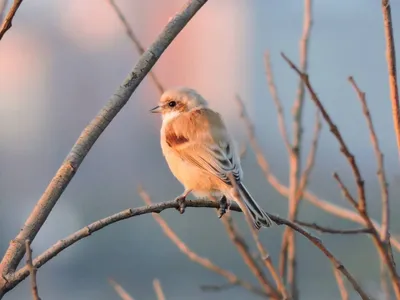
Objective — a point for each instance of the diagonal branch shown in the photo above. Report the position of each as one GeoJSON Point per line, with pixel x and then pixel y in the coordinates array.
{"type": "Point", "coordinates": [383, 250]}
{"type": "Point", "coordinates": [249, 260]}
{"type": "Point", "coordinates": [313, 199]}
{"type": "Point", "coordinates": [124, 295]}
{"type": "Point", "coordinates": [7, 22]}
{"type": "Point", "coordinates": [158, 289]}
{"type": "Point", "coordinates": [277, 101]}
{"type": "Point", "coordinates": [391, 64]}
{"type": "Point", "coordinates": [89, 136]}
{"type": "Point", "coordinates": [379, 159]}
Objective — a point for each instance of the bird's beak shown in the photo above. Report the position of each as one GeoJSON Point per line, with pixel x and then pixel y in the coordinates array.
{"type": "Point", "coordinates": [156, 109]}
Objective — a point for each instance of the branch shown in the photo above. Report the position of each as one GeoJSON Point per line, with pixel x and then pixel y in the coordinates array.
{"type": "Point", "coordinates": [135, 41]}
{"type": "Point", "coordinates": [322, 204]}
{"type": "Point", "coordinates": [157, 208]}
{"type": "Point", "coordinates": [32, 270]}
{"type": "Point", "coordinates": [391, 64]}
{"type": "Point", "coordinates": [266, 259]}
{"type": "Point", "coordinates": [277, 101]}
{"type": "Point", "coordinates": [158, 289]}
{"type": "Point", "coordinates": [324, 229]}
{"type": "Point", "coordinates": [341, 286]}
{"type": "Point", "coordinates": [89, 136]}
{"type": "Point", "coordinates": [379, 159]}
{"type": "Point", "coordinates": [7, 23]}
{"type": "Point", "coordinates": [248, 259]}
{"type": "Point", "coordinates": [384, 251]}
{"type": "Point", "coordinates": [124, 295]}
{"type": "Point", "coordinates": [206, 263]}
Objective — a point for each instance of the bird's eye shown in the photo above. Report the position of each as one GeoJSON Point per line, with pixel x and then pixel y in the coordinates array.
{"type": "Point", "coordinates": [172, 104]}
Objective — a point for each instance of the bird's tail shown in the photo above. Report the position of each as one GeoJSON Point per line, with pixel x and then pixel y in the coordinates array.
{"type": "Point", "coordinates": [259, 216]}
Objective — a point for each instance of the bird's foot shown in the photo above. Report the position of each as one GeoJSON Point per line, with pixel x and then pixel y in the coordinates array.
{"type": "Point", "coordinates": [182, 203]}
{"type": "Point", "coordinates": [224, 205]}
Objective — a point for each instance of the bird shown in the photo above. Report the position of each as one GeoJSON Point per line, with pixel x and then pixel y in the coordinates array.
{"type": "Point", "coordinates": [202, 154]}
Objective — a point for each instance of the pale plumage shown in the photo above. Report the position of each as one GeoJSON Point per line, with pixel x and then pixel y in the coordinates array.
{"type": "Point", "coordinates": [200, 151]}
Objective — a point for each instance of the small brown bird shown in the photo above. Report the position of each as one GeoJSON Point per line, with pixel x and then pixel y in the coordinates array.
{"type": "Point", "coordinates": [201, 153]}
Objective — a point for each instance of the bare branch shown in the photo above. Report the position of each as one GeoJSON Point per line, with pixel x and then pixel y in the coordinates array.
{"type": "Point", "coordinates": [206, 263]}
{"type": "Point", "coordinates": [263, 252]}
{"type": "Point", "coordinates": [324, 229]}
{"type": "Point", "coordinates": [288, 251]}
{"type": "Point", "coordinates": [7, 22]}
{"type": "Point", "coordinates": [278, 104]}
{"type": "Point", "coordinates": [32, 271]}
{"type": "Point", "coordinates": [322, 204]}
{"type": "Point", "coordinates": [341, 286]}
{"type": "Point", "coordinates": [311, 156]}
{"type": "Point", "coordinates": [124, 295]}
{"type": "Point", "coordinates": [379, 159]}
{"type": "Point", "coordinates": [249, 260]}
{"type": "Point", "coordinates": [158, 289]}
{"type": "Point", "coordinates": [384, 251]}
{"type": "Point", "coordinates": [89, 136]}
{"type": "Point", "coordinates": [343, 146]}
{"type": "Point", "coordinates": [391, 63]}
{"type": "Point", "coordinates": [135, 41]}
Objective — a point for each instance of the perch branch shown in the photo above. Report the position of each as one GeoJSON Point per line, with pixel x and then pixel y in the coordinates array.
{"type": "Point", "coordinates": [324, 229]}
{"type": "Point", "coordinates": [391, 64]}
{"type": "Point", "coordinates": [89, 136]}
{"type": "Point", "coordinates": [7, 22]}
{"type": "Point", "coordinates": [157, 208]}
{"type": "Point", "coordinates": [341, 286]}
{"type": "Point", "coordinates": [206, 263]}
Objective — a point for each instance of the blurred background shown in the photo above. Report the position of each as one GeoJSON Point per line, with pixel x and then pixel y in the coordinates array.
{"type": "Point", "coordinates": [62, 60]}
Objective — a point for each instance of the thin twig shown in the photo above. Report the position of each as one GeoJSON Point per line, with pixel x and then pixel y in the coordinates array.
{"type": "Point", "coordinates": [7, 22]}
{"type": "Point", "coordinates": [158, 289]}
{"type": "Point", "coordinates": [324, 229]}
{"type": "Point", "coordinates": [124, 295]}
{"type": "Point", "coordinates": [32, 271]}
{"type": "Point", "coordinates": [249, 260]}
{"type": "Point", "coordinates": [391, 64]}
{"type": "Point", "coordinates": [384, 251]}
{"type": "Point", "coordinates": [263, 252]}
{"type": "Point", "coordinates": [135, 41]}
{"type": "Point", "coordinates": [288, 250]}
{"type": "Point", "coordinates": [89, 136]}
{"type": "Point", "coordinates": [277, 101]}
{"type": "Point", "coordinates": [322, 204]}
{"type": "Point", "coordinates": [205, 262]}
{"type": "Point", "coordinates": [342, 288]}
{"type": "Point", "coordinates": [380, 165]}
{"type": "Point", "coordinates": [311, 156]}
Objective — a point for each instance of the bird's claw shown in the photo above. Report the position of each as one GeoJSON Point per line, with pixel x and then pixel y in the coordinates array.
{"type": "Point", "coordinates": [182, 204]}
{"type": "Point", "coordinates": [223, 206]}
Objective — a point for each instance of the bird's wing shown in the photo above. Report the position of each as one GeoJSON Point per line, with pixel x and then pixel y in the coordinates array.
{"type": "Point", "coordinates": [201, 138]}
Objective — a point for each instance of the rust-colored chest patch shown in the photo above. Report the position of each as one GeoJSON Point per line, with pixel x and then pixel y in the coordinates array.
{"type": "Point", "coordinates": [173, 139]}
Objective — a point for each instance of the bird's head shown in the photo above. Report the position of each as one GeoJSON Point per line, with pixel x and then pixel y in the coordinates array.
{"type": "Point", "coordinates": [179, 100]}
